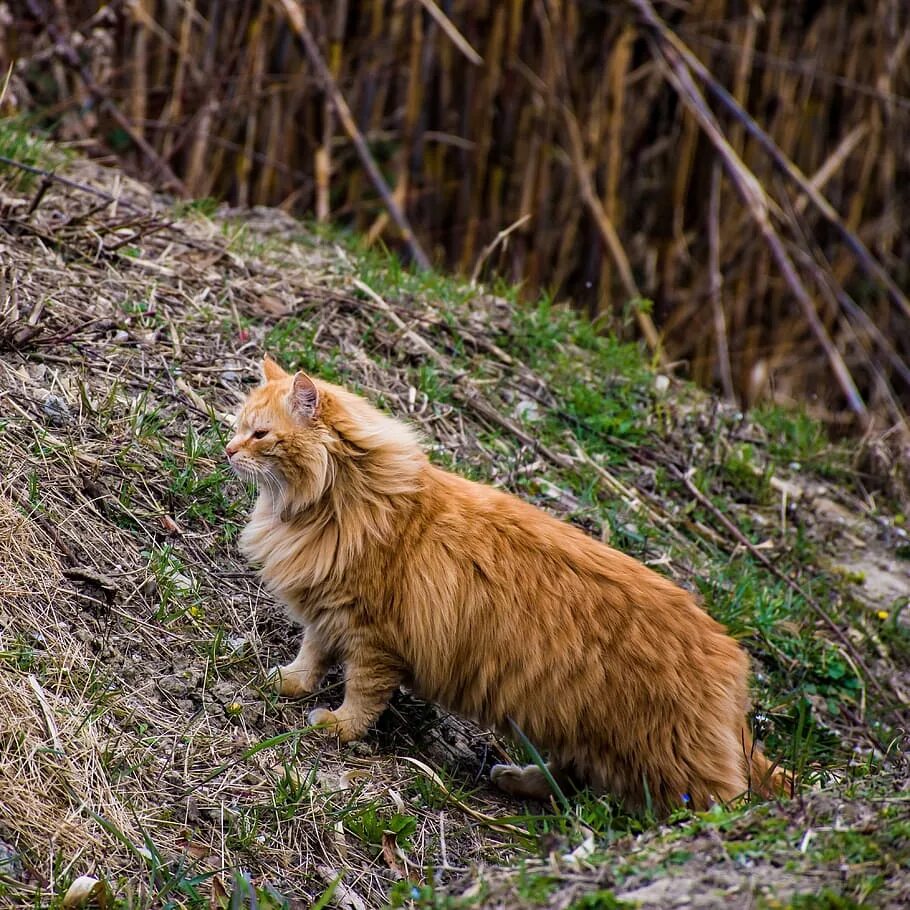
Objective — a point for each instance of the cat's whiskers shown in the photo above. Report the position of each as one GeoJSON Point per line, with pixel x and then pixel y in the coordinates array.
{"type": "Point", "coordinates": [269, 485]}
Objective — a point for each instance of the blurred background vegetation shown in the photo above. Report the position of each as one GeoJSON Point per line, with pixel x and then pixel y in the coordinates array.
{"type": "Point", "coordinates": [604, 153]}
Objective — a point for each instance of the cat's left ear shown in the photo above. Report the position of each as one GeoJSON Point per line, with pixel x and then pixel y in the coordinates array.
{"type": "Point", "coordinates": [304, 397]}
{"type": "Point", "coordinates": [270, 370]}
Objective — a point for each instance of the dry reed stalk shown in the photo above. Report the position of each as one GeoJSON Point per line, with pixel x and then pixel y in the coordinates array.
{"type": "Point", "coordinates": [618, 70]}
{"type": "Point", "coordinates": [452, 33]}
{"type": "Point", "coordinates": [295, 17]}
{"type": "Point", "coordinates": [461, 105]}
{"type": "Point", "coordinates": [715, 280]}
{"type": "Point", "coordinates": [611, 238]}
{"type": "Point", "coordinates": [754, 197]}
{"type": "Point", "coordinates": [846, 230]}
{"type": "Point", "coordinates": [139, 89]}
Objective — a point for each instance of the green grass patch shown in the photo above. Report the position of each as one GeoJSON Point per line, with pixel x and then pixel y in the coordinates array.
{"type": "Point", "coordinates": [20, 142]}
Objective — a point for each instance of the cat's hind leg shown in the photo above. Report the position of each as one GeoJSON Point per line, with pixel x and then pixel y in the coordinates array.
{"type": "Point", "coordinates": [370, 680]}
{"type": "Point", "coordinates": [525, 782]}
{"type": "Point", "coordinates": [304, 673]}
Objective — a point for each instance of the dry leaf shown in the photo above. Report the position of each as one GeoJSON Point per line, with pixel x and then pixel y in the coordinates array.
{"type": "Point", "coordinates": [219, 899]}
{"type": "Point", "coordinates": [390, 853]}
{"type": "Point", "coordinates": [86, 889]}
{"type": "Point", "coordinates": [170, 525]}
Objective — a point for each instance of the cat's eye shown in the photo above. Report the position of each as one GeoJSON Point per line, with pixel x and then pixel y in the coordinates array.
{"type": "Point", "coordinates": [260, 434]}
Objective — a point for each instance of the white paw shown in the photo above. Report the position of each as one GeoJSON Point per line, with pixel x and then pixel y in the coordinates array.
{"type": "Point", "coordinates": [502, 774]}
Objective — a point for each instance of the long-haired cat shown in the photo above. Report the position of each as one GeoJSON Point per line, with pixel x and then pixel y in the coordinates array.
{"type": "Point", "coordinates": [486, 605]}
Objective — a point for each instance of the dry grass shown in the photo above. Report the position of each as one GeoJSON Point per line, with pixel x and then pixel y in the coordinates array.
{"type": "Point", "coordinates": [570, 116]}
{"type": "Point", "coordinates": [134, 737]}
{"type": "Point", "coordinates": [135, 742]}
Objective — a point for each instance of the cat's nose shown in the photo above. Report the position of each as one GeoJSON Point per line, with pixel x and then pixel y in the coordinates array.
{"type": "Point", "coordinates": [232, 447]}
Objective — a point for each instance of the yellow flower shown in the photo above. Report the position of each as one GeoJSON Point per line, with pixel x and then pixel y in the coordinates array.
{"type": "Point", "coordinates": [883, 614]}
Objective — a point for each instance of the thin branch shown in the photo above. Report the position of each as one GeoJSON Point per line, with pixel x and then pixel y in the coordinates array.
{"type": "Point", "coordinates": [488, 250]}
{"type": "Point", "coordinates": [455, 36]}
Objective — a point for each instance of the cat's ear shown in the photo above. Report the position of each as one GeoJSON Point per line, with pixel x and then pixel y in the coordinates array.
{"type": "Point", "coordinates": [304, 397]}
{"type": "Point", "coordinates": [270, 370]}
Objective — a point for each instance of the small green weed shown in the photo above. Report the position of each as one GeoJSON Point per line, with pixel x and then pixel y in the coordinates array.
{"type": "Point", "coordinates": [535, 887]}
{"type": "Point", "coordinates": [793, 436]}
{"type": "Point", "coordinates": [600, 900]}
{"type": "Point", "coordinates": [750, 482]}
{"type": "Point", "coordinates": [178, 590]}
{"type": "Point", "coordinates": [369, 823]}
{"type": "Point", "coordinates": [20, 142]}
{"type": "Point", "coordinates": [826, 899]}
{"type": "Point", "coordinates": [204, 206]}
{"type": "Point", "coordinates": [406, 894]}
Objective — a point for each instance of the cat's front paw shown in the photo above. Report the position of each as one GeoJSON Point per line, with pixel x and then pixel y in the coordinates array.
{"type": "Point", "coordinates": [292, 683]}
{"type": "Point", "coordinates": [334, 722]}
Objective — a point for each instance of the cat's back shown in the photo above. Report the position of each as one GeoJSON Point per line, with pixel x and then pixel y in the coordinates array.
{"type": "Point", "coordinates": [500, 530]}
{"type": "Point", "coordinates": [523, 576]}
{"type": "Point", "coordinates": [545, 615]}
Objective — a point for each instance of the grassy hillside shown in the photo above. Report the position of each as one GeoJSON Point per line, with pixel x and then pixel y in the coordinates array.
{"type": "Point", "coordinates": [137, 743]}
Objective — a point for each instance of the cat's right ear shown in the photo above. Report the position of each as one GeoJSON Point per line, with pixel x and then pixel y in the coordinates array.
{"type": "Point", "coordinates": [304, 397]}
{"type": "Point", "coordinates": [270, 370]}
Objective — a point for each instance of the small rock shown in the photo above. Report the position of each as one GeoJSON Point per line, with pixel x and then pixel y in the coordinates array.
{"type": "Point", "coordinates": [10, 864]}
{"type": "Point", "coordinates": [527, 410]}
{"type": "Point", "coordinates": [56, 410]}
{"type": "Point", "coordinates": [192, 810]}
{"type": "Point", "coordinates": [661, 383]}
{"type": "Point", "coordinates": [149, 587]}
{"type": "Point", "coordinates": [224, 692]}
{"type": "Point", "coordinates": [171, 685]}
{"type": "Point", "coordinates": [182, 584]}
{"type": "Point", "coordinates": [362, 749]}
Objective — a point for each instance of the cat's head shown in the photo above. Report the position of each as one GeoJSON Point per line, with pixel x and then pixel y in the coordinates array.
{"type": "Point", "coordinates": [281, 439]}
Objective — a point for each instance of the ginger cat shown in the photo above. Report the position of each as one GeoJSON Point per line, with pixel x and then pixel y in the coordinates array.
{"type": "Point", "coordinates": [486, 605]}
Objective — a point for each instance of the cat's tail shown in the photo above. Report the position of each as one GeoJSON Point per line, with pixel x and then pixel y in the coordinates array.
{"type": "Point", "coordinates": [766, 778]}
